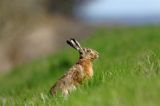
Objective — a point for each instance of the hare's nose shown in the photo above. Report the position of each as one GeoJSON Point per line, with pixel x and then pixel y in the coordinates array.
{"type": "Point", "coordinates": [97, 56]}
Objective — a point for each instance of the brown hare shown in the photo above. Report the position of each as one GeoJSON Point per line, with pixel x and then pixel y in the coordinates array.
{"type": "Point", "coordinates": [78, 72]}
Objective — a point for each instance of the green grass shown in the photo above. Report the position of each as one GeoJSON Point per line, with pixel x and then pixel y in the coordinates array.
{"type": "Point", "coordinates": [126, 74]}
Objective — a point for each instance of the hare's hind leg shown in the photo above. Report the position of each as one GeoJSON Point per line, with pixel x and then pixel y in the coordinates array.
{"type": "Point", "coordinates": [72, 88]}
{"type": "Point", "coordinates": [65, 93]}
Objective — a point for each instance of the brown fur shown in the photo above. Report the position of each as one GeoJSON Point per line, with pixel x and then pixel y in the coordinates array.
{"type": "Point", "coordinates": [79, 72]}
{"type": "Point", "coordinates": [87, 66]}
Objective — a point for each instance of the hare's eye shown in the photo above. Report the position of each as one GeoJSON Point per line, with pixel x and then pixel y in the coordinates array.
{"type": "Point", "coordinates": [92, 54]}
{"type": "Point", "coordinates": [88, 50]}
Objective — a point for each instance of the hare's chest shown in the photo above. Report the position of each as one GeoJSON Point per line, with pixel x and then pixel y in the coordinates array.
{"type": "Point", "coordinates": [88, 70]}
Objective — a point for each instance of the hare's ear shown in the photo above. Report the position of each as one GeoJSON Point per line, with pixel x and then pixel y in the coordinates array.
{"type": "Point", "coordinates": [75, 44]}
{"type": "Point", "coordinates": [72, 44]}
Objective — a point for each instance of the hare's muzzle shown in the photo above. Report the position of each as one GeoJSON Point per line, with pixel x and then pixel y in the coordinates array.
{"type": "Point", "coordinates": [97, 56]}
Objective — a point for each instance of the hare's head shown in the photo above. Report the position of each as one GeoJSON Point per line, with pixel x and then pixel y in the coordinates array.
{"type": "Point", "coordinates": [85, 53]}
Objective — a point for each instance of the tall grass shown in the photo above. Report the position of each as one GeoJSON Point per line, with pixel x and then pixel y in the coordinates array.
{"type": "Point", "coordinates": [126, 74]}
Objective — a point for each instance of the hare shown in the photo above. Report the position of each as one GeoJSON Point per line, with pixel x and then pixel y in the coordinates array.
{"type": "Point", "coordinates": [77, 73]}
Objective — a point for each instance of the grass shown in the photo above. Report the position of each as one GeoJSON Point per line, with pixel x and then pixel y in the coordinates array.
{"type": "Point", "coordinates": [126, 74]}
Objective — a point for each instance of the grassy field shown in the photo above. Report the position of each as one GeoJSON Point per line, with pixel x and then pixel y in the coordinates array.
{"type": "Point", "coordinates": [126, 74]}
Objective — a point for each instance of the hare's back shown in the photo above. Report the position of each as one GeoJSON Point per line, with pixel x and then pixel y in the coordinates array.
{"type": "Point", "coordinates": [72, 77]}
{"type": "Point", "coordinates": [76, 73]}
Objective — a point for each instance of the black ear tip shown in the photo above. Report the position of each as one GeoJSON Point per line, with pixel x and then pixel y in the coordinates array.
{"type": "Point", "coordinates": [68, 41]}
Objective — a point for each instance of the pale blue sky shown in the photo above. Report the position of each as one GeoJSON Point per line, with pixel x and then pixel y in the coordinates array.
{"type": "Point", "coordinates": [120, 8]}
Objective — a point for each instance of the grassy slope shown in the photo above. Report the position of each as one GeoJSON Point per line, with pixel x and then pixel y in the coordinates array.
{"type": "Point", "coordinates": [126, 74]}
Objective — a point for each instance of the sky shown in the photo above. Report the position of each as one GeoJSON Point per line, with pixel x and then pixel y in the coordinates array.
{"type": "Point", "coordinates": [120, 8]}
